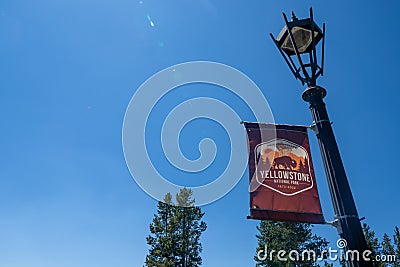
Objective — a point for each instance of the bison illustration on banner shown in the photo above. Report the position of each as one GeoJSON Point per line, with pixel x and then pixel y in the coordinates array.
{"type": "Point", "coordinates": [284, 161]}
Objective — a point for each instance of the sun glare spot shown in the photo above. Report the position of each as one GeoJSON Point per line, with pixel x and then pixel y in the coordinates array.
{"type": "Point", "coordinates": [150, 21]}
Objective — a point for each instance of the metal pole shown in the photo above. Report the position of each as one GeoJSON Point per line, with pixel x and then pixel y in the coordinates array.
{"type": "Point", "coordinates": [346, 216]}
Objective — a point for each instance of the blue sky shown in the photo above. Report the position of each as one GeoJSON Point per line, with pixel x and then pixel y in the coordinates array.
{"type": "Point", "coordinates": [69, 69]}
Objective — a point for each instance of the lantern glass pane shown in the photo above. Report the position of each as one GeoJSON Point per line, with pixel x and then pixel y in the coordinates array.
{"type": "Point", "coordinates": [302, 38]}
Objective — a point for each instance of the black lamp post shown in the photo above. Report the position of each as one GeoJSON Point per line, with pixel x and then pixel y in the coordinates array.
{"type": "Point", "coordinates": [299, 39]}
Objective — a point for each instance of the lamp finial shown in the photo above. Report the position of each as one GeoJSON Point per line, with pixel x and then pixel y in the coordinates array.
{"type": "Point", "coordinates": [294, 16]}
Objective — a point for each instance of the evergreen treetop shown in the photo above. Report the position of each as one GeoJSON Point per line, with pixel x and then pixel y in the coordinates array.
{"type": "Point", "coordinates": [175, 232]}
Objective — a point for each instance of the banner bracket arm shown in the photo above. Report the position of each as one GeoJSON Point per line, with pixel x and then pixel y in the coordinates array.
{"type": "Point", "coordinates": [313, 125]}
{"type": "Point", "coordinates": [335, 223]}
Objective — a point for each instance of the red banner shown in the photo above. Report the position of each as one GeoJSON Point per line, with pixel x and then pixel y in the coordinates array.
{"type": "Point", "coordinates": [282, 180]}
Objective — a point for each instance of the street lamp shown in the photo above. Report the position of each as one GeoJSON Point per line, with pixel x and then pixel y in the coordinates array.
{"type": "Point", "coordinates": [299, 39]}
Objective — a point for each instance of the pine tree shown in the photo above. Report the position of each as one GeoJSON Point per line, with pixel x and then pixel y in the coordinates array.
{"type": "Point", "coordinates": [301, 166]}
{"type": "Point", "coordinates": [306, 167]}
{"type": "Point", "coordinates": [372, 243]}
{"type": "Point", "coordinates": [175, 233]}
{"type": "Point", "coordinates": [387, 247]}
{"type": "Point", "coordinates": [162, 229]}
{"type": "Point", "coordinates": [396, 239]}
{"type": "Point", "coordinates": [288, 237]}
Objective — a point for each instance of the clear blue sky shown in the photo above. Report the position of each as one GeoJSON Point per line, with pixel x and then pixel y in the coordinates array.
{"type": "Point", "coordinates": [68, 70]}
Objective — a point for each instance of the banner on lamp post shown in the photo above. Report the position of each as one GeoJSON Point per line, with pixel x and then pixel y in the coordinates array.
{"type": "Point", "coordinates": [282, 181]}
